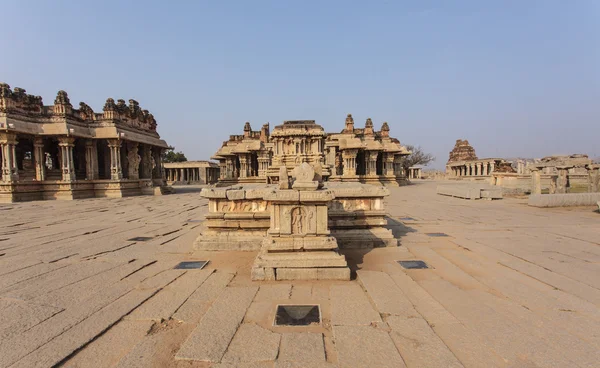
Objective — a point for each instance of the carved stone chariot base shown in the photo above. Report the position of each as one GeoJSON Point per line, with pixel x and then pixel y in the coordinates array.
{"type": "Point", "coordinates": [298, 245]}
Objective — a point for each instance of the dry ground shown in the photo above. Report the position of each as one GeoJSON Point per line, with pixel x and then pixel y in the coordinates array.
{"type": "Point", "coordinates": [510, 286]}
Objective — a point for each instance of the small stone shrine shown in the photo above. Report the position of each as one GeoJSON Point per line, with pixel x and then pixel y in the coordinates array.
{"type": "Point", "coordinates": [298, 245]}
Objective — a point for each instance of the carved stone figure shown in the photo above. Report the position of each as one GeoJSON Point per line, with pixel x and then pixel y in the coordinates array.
{"type": "Point", "coordinates": [298, 219]}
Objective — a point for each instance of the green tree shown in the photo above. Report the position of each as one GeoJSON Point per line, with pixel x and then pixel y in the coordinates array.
{"type": "Point", "coordinates": [171, 156]}
{"type": "Point", "coordinates": [417, 157]}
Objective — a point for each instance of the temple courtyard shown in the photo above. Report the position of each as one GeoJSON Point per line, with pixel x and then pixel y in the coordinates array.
{"type": "Point", "coordinates": [93, 283]}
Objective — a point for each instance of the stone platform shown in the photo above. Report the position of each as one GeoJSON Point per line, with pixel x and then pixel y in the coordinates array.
{"type": "Point", "coordinates": [239, 218]}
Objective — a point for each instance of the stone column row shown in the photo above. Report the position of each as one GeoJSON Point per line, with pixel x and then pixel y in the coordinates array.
{"type": "Point", "coordinates": [191, 174]}
{"type": "Point", "coordinates": [473, 169]}
{"type": "Point", "coordinates": [66, 145]}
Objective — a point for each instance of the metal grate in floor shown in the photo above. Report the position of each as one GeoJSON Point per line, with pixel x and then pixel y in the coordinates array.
{"type": "Point", "coordinates": [191, 265]}
{"type": "Point", "coordinates": [413, 264]}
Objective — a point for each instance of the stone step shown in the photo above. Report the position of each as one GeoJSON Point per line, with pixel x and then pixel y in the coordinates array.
{"type": "Point", "coordinates": [301, 260]}
{"type": "Point", "coordinates": [314, 273]}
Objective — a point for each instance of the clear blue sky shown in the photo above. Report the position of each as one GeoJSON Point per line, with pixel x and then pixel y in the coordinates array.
{"type": "Point", "coordinates": [516, 78]}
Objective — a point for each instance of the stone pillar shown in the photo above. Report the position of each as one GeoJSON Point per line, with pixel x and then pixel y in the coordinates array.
{"type": "Point", "coordinates": [243, 165]}
{"type": "Point", "coordinates": [39, 158]}
{"type": "Point", "coordinates": [593, 178]}
{"type": "Point", "coordinates": [116, 173]}
{"type": "Point", "coordinates": [492, 166]}
{"type": "Point", "coordinates": [479, 167]}
{"type": "Point", "coordinates": [371, 157]}
{"type": "Point", "coordinates": [562, 180]}
{"type": "Point", "coordinates": [536, 183]}
{"type": "Point", "coordinates": [133, 161]}
{"type": "Point", "coordinates": [222, 169]}
{"type": "Point", "coordinates": [553, 183]}
{"type": "Point", "coordinates": [146, 161]}
{"type": "Point", "coordinates": [66, 145]}
{"type": "Point", "coordinates": [349, 162]}
{"type": "Point", "coordinates": [10, 171]}
{"type": "Point", "coordinates": [485, 168]}
{"type": "Point", "coordinates": [389, 164]}
{"type": "Point", "coordinates": [91, 159]}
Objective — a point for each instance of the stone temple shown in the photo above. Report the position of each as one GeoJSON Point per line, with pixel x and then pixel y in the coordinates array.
{"type": "Point", "coordinates": [59, 152]}
{"type": "Point", "coordinates": [354, 155]}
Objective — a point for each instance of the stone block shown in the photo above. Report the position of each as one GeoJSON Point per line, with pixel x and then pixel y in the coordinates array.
{"type": "Point", "coordinates": [297, 274]}
{"type": "Point", "coordinates": [459, 191]}
{"type": "Point", "coordinates": [563, 200]}
{"type": "Point", "coordinates": [316, 196]}
{"type": "Point", "coordinates": [338, 273]}
{"type": "Point", "coordinates": [235, 194]}
{"type": "Point", "coordinates": [214, 193]}
{"type": "Point", "coordinates": [491, 194]}
{"type": "Point", "coordinates": [301, 259]}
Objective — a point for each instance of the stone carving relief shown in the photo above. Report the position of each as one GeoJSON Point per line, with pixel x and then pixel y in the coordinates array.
{"type": "Point", "coordinates": [242, 206]}
{"type": "Point", "coordinates": [298, 219]}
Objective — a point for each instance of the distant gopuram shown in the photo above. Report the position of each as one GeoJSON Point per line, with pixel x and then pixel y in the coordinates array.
{"type": "Point", "coordinates": [353, 155]}
{"type": "Point", "coordinates": [59, 152]}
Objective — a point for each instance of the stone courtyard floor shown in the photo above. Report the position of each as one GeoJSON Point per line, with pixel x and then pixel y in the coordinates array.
{"type": "Point", "coordinates": [509, 286]}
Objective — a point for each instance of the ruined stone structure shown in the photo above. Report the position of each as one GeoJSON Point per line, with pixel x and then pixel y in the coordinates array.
{"type": "Point", "coordinates": [354, 155]}
{"type": "Point", "coordinates": [552, 174]}
{"type": "Point", "coordinates": [462, 151]}
{"type": "Point", "coordinates": [298, 245]}
{"type": "Point", "coordinates": [306, 215]}
{"type": "Point", "coordinates": [239, 216]}
{"type": "Point", "coordinates": [414, 172]}
{"type": "Point", "coordinates": [564, 174]}
{"type": "Point", "coordinates": [464, 164]}
{"type": "Point", "coordinates": [59, 152]}
{"type": "Point", "coordinates": [191, 172]}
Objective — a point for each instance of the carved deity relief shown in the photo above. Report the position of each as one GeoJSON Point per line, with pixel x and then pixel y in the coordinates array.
{"type": "Point", "coordinates": [310, 216]}
{"type": "Point", "coordinates": [298, 220]}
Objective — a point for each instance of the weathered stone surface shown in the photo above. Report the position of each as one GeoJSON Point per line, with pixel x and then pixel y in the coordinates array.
{"type": "Point", "coordinates": [274, 292]}
{"type": "Point", "coordinates": [252, 343]}
{"type": "Point", "coordinates": [62, 346]}
{"type": "Point", "coordinates": [350, 306]}
{"type": "Point", "coordinates": [209, 341]}
{"type": "Point", "coordinates": [388, 298]}
{"type": "Point", "coordinates": [163, 305]}
{"type": "Point", "coordinates": [563, 200]}
{"type": "Point", "coordinates": [18, 316]}
{"type": "Point", "coordinates": [108, 349]}
{"type": "Point", "coordinates": [365, 346]}
{"type": "Point", "coordinates": [302, 348]}
{"type": "Point", "coordinates": [419, 345]}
